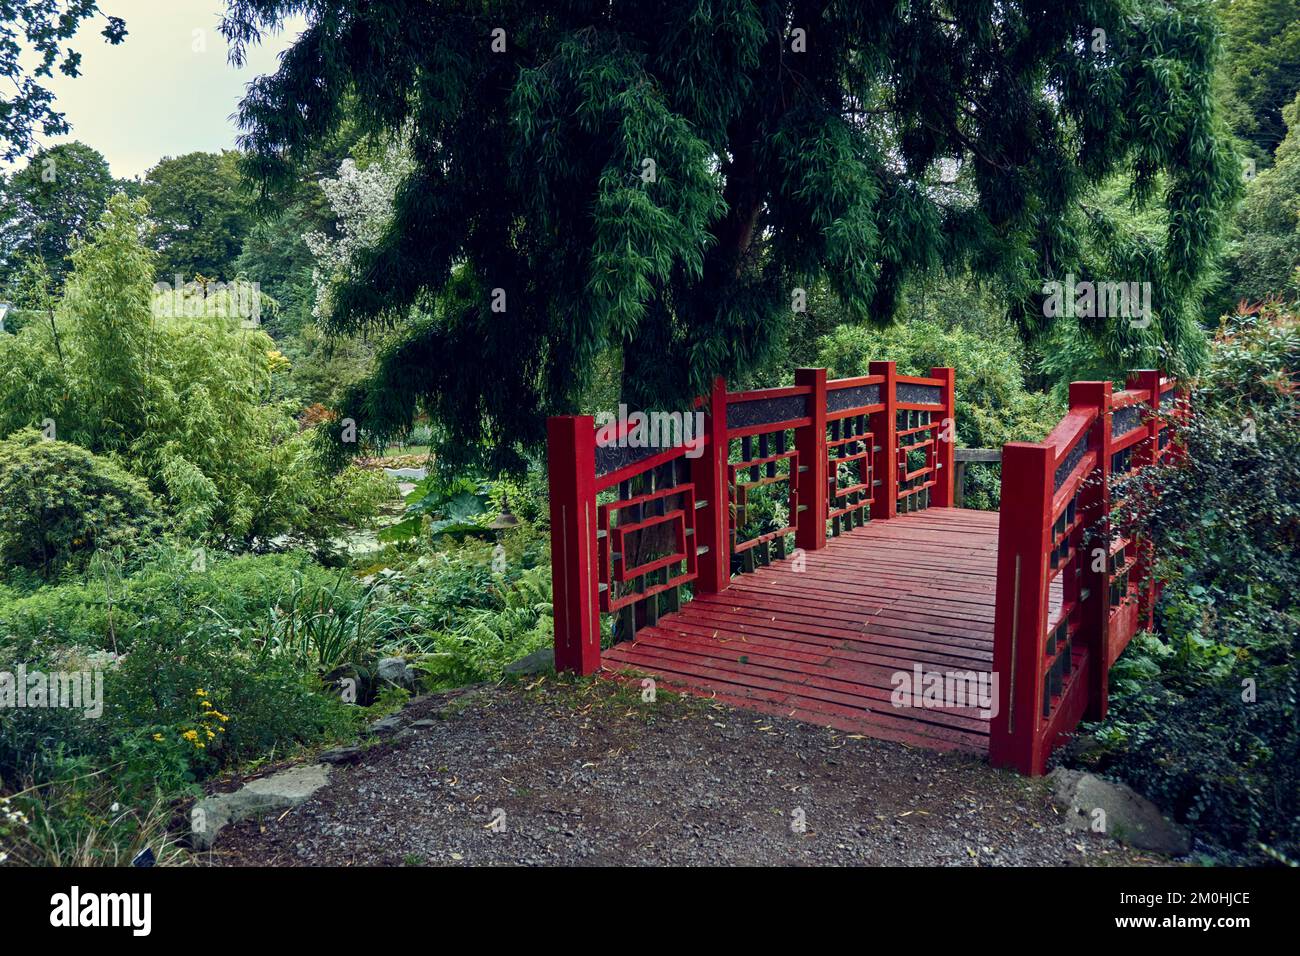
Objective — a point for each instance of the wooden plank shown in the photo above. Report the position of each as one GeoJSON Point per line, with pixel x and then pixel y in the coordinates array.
{"type": "Point", "coordinates": [825, 644]}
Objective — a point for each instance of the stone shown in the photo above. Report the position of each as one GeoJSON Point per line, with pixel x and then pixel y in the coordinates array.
{"type": "Point", "coordinates": [386, 725]}
{"type": "Point", "coordinates": [538, 662]}
{"type": "Point", "coordinates": [1125, 815]}
{"type": "Point", "coordinates": [395, 670]}
{"type": "Point", "coordinates": [340, 755]}
{"type": "Point", "coordinates": [280, 791]}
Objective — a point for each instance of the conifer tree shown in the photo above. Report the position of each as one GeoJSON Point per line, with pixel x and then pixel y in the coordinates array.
{"type": "Point", "coordinates": [662, 179]}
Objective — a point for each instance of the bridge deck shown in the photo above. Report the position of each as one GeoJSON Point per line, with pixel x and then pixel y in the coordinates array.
{"type": "Point", "coordinates": [824, 644]}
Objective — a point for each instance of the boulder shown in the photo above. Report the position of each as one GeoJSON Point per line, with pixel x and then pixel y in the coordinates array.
{"type": "Point", "coordinates": [538, 662]}
{"type": "Point", "coordinates": [395, 670]}
{"type": "Point", "coordinates": [280, 791]}
{"type": "Point", "coordinates": [1102, 806]}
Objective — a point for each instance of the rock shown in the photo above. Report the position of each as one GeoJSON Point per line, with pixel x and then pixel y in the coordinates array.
{"type": "Point", "coordinates": [280, 791]}
{"type": "Point", "coordinates": [395, 670]}
{"type": "Point", "coordinates": [538, 662]}
{"type": "Point", "coordinates": [386, 725]}
{"type": "Point", "coordinates": [339, 755]}
{"type": "Point", "coordinates": [1125, 815]}
{"type": "Point", "coordinates": [425, 723]}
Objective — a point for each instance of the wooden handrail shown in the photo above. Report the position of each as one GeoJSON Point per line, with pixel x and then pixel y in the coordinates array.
{"type": "Point", "coordinates": [593, 576]}
{"type": "Point", "coordinates": [1058, 623]}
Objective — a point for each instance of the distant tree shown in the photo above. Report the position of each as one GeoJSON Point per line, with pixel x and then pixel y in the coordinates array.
{"type": "Point", "coordinates": [200, 214]}
{"type": "Point", "coordinates": [1262, 66]}
{"type": "Point", "coordinates": [50, 203]}
{"type": "Point", "coordinates": [1265, 247]}
{"type": "Point", "coordinates": [32, 35]}
{"type": "Point", "coordinates": [661, 178]}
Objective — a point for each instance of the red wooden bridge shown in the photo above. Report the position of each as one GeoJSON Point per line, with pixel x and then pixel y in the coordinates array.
{"type": "Point", "coordinates": [802, 557]}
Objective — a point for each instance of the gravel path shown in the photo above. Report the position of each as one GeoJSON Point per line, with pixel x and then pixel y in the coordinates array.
{"type": "Point", "coordinates": [584, 772]}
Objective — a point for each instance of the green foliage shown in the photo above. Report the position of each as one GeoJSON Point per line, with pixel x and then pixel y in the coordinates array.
{"type": "Point", "coordinates": [167, 591]}
{"type": "Point", "coordinates": [49, 204]}
{"type": "Point", "coordinates": [322, 630]}
{"type": "Point", "coordinates": [1206, 719]}
{"type": "Point", "coordinates": [324, 367]}
{"type": "Point", "coordinates": [59, 504]}
{"type": "Point", "coordinates": [1261, 66]}
{"type": "Point", "coordinates": [154, 718]}
{"type": "Point", "coordinates": [44, 27]}
{"type": "Point", "coordinates": [1264, 255]}
{"type": "Point", "coordinates": [200, 215]}
{"type": "Point", "coordinates": [992, 405]}
{"type": "Point", "coordinates": [484, 640]}
{"type": "Point", "coordinates": [775, 159]}
{"type": "Point", "coordinates": [454, 506]}
{"type": "Point", "coordinates": [183, 394]}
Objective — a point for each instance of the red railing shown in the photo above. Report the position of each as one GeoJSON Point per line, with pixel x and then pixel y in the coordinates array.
{"type": "Point", "coordinates": [635, 530]}
{"type": "Point", "coordinates": [1070, 594]}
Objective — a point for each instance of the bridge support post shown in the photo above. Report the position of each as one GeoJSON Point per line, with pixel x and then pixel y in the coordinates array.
{"type": "Point", "coordinates": [571, 458]}
{"type": "Point", "coordinates": [884, 430]}
{"type": "Point", "coordinates": [942, 495]}
{"type": "Point", "coordinates": [810, 443]}
{"type": "Point", "coordinates": [709, 475]}
{"type": "Point", "coordinates": [1094, 583]}
{"type": "Point", "coordinates": [1020, 613]}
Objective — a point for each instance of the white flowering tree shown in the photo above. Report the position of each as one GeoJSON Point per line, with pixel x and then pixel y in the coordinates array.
{"type": "Point", "coordinates": [362, 202]}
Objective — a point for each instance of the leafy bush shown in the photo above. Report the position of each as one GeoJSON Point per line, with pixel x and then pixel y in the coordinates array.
{"type": "Point", "coordinates": [59, 503]}
{"type": "Point", "coordinates": [184, 395]}
{"type": "Point", "coordinates": [170, 591]}
{"type": "Point", "coordinates": [1204, 720]}
{"type": "Point", "coordinates": [456, 507]}
{"type": "Point", "coordinates": [474, 607]}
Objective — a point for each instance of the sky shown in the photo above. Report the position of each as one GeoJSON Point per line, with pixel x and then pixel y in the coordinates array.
{"type": "Point", "coordinates": [168, 89]}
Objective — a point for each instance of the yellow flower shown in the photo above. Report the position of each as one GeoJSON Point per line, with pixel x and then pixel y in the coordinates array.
{"type": "Point", "coordinates": [200, 693]}
{"type": "Point", "coordinates": [207, 703]}
{"type": "Point", "coordinates": [190, 735]}
{"type": "Point", "coordinates": [158, 737]}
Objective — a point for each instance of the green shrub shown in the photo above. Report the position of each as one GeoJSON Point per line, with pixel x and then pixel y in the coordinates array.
{"type": "Point", "coordinates": [1204, 720]}
{"type": "Point", "coordinates": [186, 400]}
{"type": "Point", "coordinates": [177, 708]}
{"type": "Point", "coordinates": [59, 504]}
{"type": "Point", "coordinates": [169, 592]}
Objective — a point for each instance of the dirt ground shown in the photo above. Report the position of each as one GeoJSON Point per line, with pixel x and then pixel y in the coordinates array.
{"type": "Point", "coordinates": [573, 772]}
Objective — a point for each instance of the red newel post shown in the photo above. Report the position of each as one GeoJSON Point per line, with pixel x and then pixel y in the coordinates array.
{"type": "Point", "coordinates": [941, 495]}
{"type": "Point", "coordinates": [1145, 453]}
{"type": "Point", "coordinates": [810, 443]}
{"type": "Point", "coordinates": [571, 459]}
{"type": "Point", "coordinates": [884, 430]}
{"type": "Point", "coordinates": [709, 475]}
{"type": "Point", "coordinates": [1020, 615]}
{"type": "Point", "coordinates": [1094, 620]}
